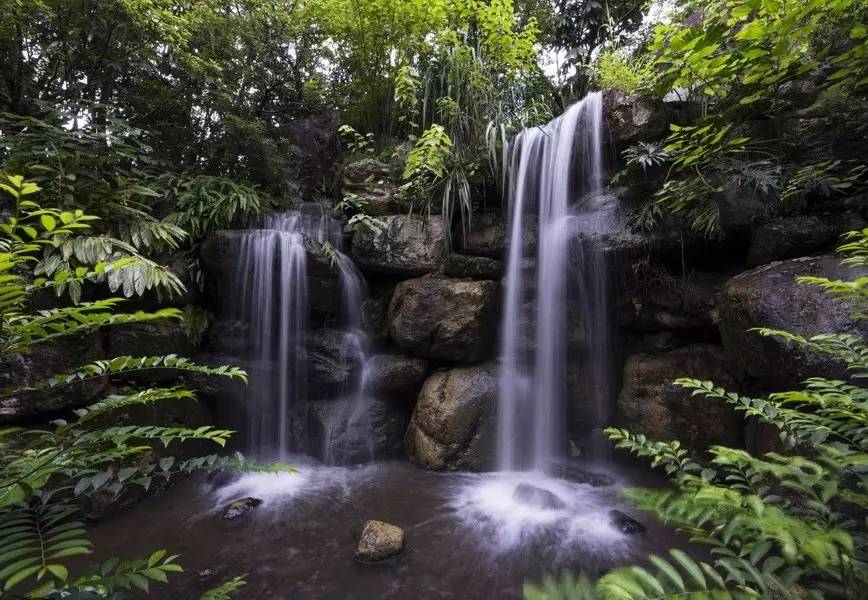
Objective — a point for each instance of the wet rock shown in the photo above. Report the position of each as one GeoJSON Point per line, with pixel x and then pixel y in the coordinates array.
{"type": "Point", "coordinates": [625, 523]}
{"type": "Point", "coordinates": [396, 376]}
{"type": "Point", "coordinates": [333, 360]}
{"type": "Point", "coordinates": [229, 336]}
{"type": "Point", "coordinates": [43, 361]}
{"type": "Point", "coordinates": [792, 237]}
{"type": "Point", "coordinates": [473, 267]}
{"type": "Point", "coordinates": [770, 296]}
{"type": "Point", "coordinates": [379, 541]}
{"type": "Point", "coordinates": [365, 172]}
{"type": "Point", "coordinates": [487, 236]}
{"type": "Point", "coordinates": [410, 245]}
{"type": "Point", "coordinates": [538, 498]}
{"type": "Point", "coordinates": [345, 432]}
{"type": "Point", "coordinates": [455, 419]}
{"type": "Point", "coordinates": [634, 117]}
{"type": "Point", "coordinates": [579, 475]}
{"type": "Point", "coordinates": [651, 404]}
{"type": "Point", "coordinates": [448, 319]}
{"type": "Point", "coordinates": [239, 507]}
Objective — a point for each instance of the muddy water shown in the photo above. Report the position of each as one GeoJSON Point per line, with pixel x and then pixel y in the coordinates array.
{"type": "Point", "coordinates": [467, 537]}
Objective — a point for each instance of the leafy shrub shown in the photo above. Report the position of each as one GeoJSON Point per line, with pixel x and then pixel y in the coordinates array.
{"type": "Point", "coordinates": [614, 71]}
{"type": "Point", "coordinates": [46, 472]}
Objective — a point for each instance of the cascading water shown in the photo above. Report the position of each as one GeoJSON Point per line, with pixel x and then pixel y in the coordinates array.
{"type": "Point", "coordinates": [271, 280]}
{"type": "Point", "coordinates": [555, 198]}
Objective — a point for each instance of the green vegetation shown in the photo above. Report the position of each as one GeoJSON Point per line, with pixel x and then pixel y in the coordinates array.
{"type": "Point", "coordinates": [788, 524]}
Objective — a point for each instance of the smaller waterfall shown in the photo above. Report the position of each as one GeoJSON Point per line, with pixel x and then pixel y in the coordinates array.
{"type": "Point", "coordinates": [555, 204]}
{"type": "Point", "coordinates": [348, 429]}
{"type": "Point", "coordinates": [272, 300]}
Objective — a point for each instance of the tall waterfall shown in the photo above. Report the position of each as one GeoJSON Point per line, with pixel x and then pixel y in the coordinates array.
{"type": "Point", "coordinates": [272, 299]}
{"type": "Point", "coordinates": [554, 262]}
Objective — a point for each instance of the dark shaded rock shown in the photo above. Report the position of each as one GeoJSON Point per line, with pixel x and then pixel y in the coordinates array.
{"type": "Point", "coordinates": [362, 173]}
{"type": "Point", "coordinates": [219, 255]}
{"type": "Point", "coordinates": [448, 319]}
{"type": "Point", "coordinates": [651, 404]}
{"type": "Point", "coordinates": [793, 237]}
{"type": "Point", "coordinates": [455, 420]}
{"type": "Point", "coordinates": [770, 296]}
{"type": "Point", "coordinates": [333, 359]}
{"type": "Point", "coordinates": [150, 338]}
{"type": "Point", "coordinates": [374, 313]}
{"type": "Point", "coordinates": [236, 508]}
{"type": "Point", "coordinates": [396, 376]}
{"type": "Point", "coordinates": [474, 267]}
{"type": "Point", "coordinates": [229, 336]}
{"type": "Point", "coordinates": [538, 498]}
{"type": "Point", "coordinates": [634, 118]}
{"type": "Point", "coordinates": [379, 541]}
{"type": "Point", "coordinates": [410, 245]}
{"type": "Point", "coordinates": [667, 303]}
{"type": "Point", "coordinates": [343, 432]}
{"type": "Point", "coordinates": [625, 523]}
{"type": "Point", "coordinates": [317, 138]}
{"type": "Point", "coordinates": [43, 361]}
{"type": "Point", "coordinates": [487, 236]}
{"type": "Point", "coordinates": [574, 473]}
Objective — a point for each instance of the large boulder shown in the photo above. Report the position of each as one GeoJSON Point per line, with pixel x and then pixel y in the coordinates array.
{"type": "Point", "coordinates": [487, 236]}
{"type": "Point", "coordinates": [409, 245]}
{"type": "Point", "coordinates": [791, 237]}
{"type": "Point", "coordinates": [474, 267]}
{"type": "Point", "coordinates": [448, 319]}
{"type": "Point", "coordinates": [354, 430]}
{"type": "Point", "coordinates": [149, 338]}
{"type": "Point", "coordinates": [41, 362]}
{"type": "Point", "coordinates": [634, 117]}
{"type": "Point", "coordinates": [651, 404]}
{"type": "Point", "coordinates": [395, 376]}
{"type": "Point", "coordinates": [369, 181]}
{"type": "Point", "coordinates": [770, 296]}
{"type": "Point", "coordinates": [455, 420]}
{"type": "Point", "coordinates": [333, 360]}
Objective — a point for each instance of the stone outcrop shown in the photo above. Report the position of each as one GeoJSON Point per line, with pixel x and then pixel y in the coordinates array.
{"type": "Point", "coordinates": [379, 541]}
{"type": "Point", "coordinates": [791, 237]}
{"type": "Point", "coordinates": [447, 319]}
{"type": "Point", "coordinates": [395, 376]}
{"type": "Point", "coordinates": [455, 420]}
{"type": "Point", "coordinates": [334, 427]}
{"type": "Point", "coordinates": [43, 361]}
{"type": "Point", "coordinates": [771, 297]}
{"type": "Point", "coordinates": [651, 404]}
{"type": "Point", "coordinates": [408, 246]}
{"type": "Point", "coordinates": [369, 180]}
{"type": "Point", "coordinates": [487, 236]}
{"type": "Point", "coordinates": [474, 267]}
{"type": "Point", "coordinates": [333, 359]}
{"type": "Point", "coordinates": [633, 117]}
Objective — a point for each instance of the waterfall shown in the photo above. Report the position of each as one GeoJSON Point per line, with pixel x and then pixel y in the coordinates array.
{"type": "Point", "coordinates": [272, 299]}
{"type": "Point", "coordinates": [555, 202]}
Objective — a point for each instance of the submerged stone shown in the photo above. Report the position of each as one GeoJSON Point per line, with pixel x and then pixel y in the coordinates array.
{"type": "Point", "coordinates": [379, 540]}
{"type": "Point", "coordinates": [536, 497]}
{"type": "Point", "coordinates": [236, 508]}
{"type": "Point", "coordinates": [625, 523]}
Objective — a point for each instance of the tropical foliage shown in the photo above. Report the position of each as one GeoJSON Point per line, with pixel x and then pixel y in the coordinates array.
{"type": "Point", "coordinates": [46, 473]}
{"type": "Point", "coordinates": [789, 524]}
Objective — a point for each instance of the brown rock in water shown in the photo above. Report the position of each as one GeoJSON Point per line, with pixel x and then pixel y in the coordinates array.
{"type": "Point", "coordinates": [379, 541]}
{"type": "Point", "coordinates": [455, 420]}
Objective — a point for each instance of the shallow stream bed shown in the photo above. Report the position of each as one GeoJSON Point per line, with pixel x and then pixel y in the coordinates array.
{"type": "Point", "coordinates": [466, 535]}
